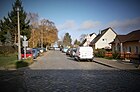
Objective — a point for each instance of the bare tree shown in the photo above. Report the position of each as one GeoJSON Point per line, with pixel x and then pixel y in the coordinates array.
{"type": "Point", "coordinates": [82, 37]}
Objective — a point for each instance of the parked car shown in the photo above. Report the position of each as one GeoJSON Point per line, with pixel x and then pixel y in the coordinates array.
{"type": "Point", "coordinates": [57, 48]}
{"type": "Point", "coordinates": [40, 50]}
{"type": "Point", "coordinates": [72, 52]}
{"type": "Point", "coordinates": [35, 53]}
{"type": "Point", "coordinates": [45, 49]}
{"type": "Point", "coordinates": [68, 51]}
{"type": "Point", "coordinates": [28, 54]}
{"type": "Point", "coordinates": [64, 50]}
{"type": "Point", "coordinates": [84, 53]}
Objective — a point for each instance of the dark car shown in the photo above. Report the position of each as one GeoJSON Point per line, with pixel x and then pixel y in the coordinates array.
{"type": "Point", "coordinates": [68, 51]}
{"type": "Point", "coordinates": [72, 52]}
{"type": "Point", "coordinates": [35, 53]}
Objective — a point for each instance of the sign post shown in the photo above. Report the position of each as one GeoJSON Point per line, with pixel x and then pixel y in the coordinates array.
{"type": "Point", "coordinates": [25, 44]}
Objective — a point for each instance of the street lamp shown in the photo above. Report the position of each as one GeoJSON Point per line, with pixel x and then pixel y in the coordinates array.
{"type": "Point", "coordinates": [19, 48]}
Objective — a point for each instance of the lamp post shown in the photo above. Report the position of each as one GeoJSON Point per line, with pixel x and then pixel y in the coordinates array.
{"type": "Point", "coordinates": [19, 48]}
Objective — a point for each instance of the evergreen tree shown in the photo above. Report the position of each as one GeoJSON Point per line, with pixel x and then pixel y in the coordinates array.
{"type": "Point", "coordinates": [24, 24]}
{"type": "Point", "coordinates": [10, 23]}
{"type": "Point", "coordinates": [67, 40]}
{"type": "Point", "coordinates": [4, 28]}
{"type": "Point", "coordinates": [8, 39]}
{"type": "Point", "coordinates": [76, 42]}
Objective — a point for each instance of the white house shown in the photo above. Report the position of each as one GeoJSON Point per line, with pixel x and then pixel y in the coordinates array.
{"type": "Point", "coordinates": [103, 39]}
{"type": "Point", "coordinates": [88, 39]}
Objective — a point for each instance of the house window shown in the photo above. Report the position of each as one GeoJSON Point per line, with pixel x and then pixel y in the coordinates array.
{"type": "Point", "coordinates": [104, 40]}
{"type": "Point", "coordinates": [129, 50]}
{"type": "Point", "coordinates": [136, 49]}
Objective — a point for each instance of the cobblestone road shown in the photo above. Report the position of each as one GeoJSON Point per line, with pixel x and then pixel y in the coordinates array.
{"type": "Point", "coordinates": [55, 72]}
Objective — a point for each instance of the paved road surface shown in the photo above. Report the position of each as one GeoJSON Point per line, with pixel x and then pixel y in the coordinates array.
{"type": "Point", "coordinates": [55, 72]}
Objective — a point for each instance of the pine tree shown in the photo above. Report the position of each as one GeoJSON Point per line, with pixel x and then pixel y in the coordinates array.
{"type": "Point", "coordinates": [10, 23]}
{"type": "Point", "coordinates": [24, 24]}
{"type": "Point", "coordinates": [4, 28]}
{"type": "Point", "coordinates": [67, 40]}
{"type": "Point", "coordinates": [8, 39]}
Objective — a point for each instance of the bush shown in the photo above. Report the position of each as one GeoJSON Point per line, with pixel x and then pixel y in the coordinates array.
{"type": "Point", "coordinates": [24, 63]}
{"type": "Point", "coordinates": [6, 50]}
{"type": "Point", "coordinates": [100, 53]}
{"type": "Point", "coordinates": [116, 55]}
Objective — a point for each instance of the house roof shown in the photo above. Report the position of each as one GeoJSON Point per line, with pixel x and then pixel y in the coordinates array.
{"type": "Point", "coordinates": [91, 34]}
{"type": "Point", "coordinates": [132, 36]}
{"type": "Point", "coordinates": [100, 35]}
{"type": "Point", "coordinates": [122, 38]}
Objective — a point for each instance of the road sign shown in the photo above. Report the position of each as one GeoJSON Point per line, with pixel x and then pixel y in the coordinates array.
{"type": "Point", "coordinates": [25, 43]}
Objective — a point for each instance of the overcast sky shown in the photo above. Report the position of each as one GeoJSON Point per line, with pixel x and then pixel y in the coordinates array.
{"type": "Point", "coordinates": [83, 16]}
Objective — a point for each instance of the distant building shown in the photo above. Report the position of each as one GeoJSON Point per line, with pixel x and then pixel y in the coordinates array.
{"type": "Point", "coordinates": [88, 39]}
{"type": "Point", "coordinates": [103, 39]}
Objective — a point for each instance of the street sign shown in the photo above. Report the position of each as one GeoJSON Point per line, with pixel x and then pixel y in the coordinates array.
{"type": "Point", "coordinates": [25, 43]}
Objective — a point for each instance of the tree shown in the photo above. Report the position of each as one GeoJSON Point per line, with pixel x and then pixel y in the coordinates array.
{"type": "Point", "coordinates": [24, 23]}
{"type": "Point", "coordinates": [82, 37]}
{"type": "Point", "coordinates": [67, 40]}
{"type": "Point", "coordinates": [49, 33]}
{"type": "Point", "coordinates": [45, 34]}
{"type": "Point", "coordinates": [76, 42]}
{"type": "Point", "coordinates": [34, 24]}
{"type": "Point", "coordinates": [34, 20]}
{"type": "Point", "coordinates": [8, 39]}
{"type": "Point", "coordinates": [4, 28]}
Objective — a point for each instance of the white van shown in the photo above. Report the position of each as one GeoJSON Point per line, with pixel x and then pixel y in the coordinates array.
{"type": "Point", "coordinates": [84, 53]}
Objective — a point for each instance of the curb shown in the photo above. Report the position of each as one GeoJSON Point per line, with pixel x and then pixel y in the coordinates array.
{"type": "Point", "coordinates": [106, 64]}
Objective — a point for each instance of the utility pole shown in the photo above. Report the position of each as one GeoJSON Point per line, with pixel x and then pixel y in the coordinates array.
{"type": "Point", "coordinates": [19, 48]}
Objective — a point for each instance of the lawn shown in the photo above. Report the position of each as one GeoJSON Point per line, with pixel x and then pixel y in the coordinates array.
{"type": "Point", "coordinates": [10, 61]}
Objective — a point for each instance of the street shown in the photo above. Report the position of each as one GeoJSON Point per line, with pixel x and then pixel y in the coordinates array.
{"type": "Point", "coordinates": [56, 72]}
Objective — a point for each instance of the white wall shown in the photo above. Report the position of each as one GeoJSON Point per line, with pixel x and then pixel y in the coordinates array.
{"type": "Point", "coordinates": [108, 37]}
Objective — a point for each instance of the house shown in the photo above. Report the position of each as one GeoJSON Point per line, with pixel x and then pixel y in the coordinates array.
{"type": "Point", "coordinates": [88, 39]}
{"type": "Point", "coordinates": [103, 39]}
{"type": "Point", "coordinates": [128, 44]}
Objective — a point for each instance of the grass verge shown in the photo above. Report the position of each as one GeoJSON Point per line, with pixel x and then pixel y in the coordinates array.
{"type": "Point", "coordinates": [10, 62]}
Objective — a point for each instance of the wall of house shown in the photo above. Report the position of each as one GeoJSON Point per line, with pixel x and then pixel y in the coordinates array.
{"type": "Point", "coordinates": [132, 47]}
{"type": "Point", "coordinates": [104, 41]}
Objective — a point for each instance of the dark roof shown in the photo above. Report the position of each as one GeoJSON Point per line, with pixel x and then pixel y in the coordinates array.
{"type": "Point", "coordinates": [132, 36]}
{"type": "Point", "coordinates": [122, 38]}
{"type": "Point", "coordinates": [83, 42]}
{"type": "Point", "coordinates": [100, 35]}
{"type": "Point", "coordinates": [91, 34]}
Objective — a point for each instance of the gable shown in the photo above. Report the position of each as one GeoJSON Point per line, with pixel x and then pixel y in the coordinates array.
{"type": "Point", "coordinates": [109, 31]}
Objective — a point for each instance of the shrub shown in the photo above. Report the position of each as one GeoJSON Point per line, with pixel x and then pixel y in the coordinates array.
{"type": "Point", "coordinates": [6, 50]}
{"type": "Point", "coordinates": [116, 55]}
{"type": "Point", "coordinates": [100, 53]}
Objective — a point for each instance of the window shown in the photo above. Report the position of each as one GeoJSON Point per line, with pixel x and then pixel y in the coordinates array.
{"type": "Point", "coordinates": [129, 49]}
{"type": "Point", "coordinates": [104, 40]}
{"type": "Point", "coordinates": [136, 49]}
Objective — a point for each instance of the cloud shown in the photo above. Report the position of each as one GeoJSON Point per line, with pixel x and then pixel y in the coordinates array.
{"type": "Point", "coordinates": [69, 24]}
{"type": "Point", "coordinates": [89, 24]}
{"type": "Point", "coordinates": [126, 25]}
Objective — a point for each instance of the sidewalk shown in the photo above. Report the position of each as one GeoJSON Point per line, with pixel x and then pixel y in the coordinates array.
{"type": "Point", "coordinates": [116, 64]}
